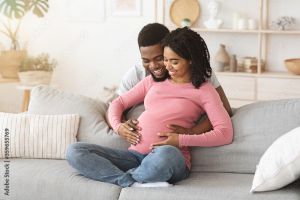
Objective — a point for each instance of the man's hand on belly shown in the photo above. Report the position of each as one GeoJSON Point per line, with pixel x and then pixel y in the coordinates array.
{"type": "Point", "coordinates": [172, 139]}
{"type": "Point", "coordinates": [179, 129]}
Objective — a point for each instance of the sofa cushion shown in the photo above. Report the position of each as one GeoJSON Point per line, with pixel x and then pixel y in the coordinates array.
{"type": "Point", "coordinates": [92, 128]}
{"type": "Point", "coordinates": [211, 186]}
{"type": "Point", "coordinates": [37, 136]}
{"type": "Point", "coordinates": [280, 164]}
{"type": "Point", "coordinates": [256, 127]}
{"type": "Point", "coordinates": [53, 179]}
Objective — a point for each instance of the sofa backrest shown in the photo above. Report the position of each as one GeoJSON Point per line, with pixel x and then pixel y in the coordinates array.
{"type": "Point", "coordinates": [256, 127]}
{"type": "Point", "coordinates": [92, 128]}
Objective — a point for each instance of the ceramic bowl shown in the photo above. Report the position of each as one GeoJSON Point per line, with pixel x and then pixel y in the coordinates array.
{"type": "Point", "coordinates": [293, 65]}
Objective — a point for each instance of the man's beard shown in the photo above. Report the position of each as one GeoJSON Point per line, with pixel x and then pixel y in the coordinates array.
{"type": "Point", "coordinates": [165, 76]}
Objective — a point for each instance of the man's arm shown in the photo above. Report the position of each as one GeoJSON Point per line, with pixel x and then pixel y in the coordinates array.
{"type": "Point", "coordinates": [224, 100]}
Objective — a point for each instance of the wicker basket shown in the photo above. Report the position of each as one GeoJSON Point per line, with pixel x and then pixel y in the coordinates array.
{"type": "Point", "coordinates": [10, 62]}
{"type": "Point", "coordinates": [32, 78]}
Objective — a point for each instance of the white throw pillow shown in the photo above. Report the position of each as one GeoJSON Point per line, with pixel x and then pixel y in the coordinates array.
{"type": "Point", "coordinates": [280, 164]}
{"type": "Point", "coordinates": [36, 136]}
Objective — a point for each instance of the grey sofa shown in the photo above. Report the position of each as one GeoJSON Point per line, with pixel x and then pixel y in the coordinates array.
{"type": "Point", "coordinates": [218, 173]}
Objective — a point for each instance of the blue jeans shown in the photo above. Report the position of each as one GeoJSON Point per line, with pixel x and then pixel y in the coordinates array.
{"type": "Point", "coordinates": [124, 167]}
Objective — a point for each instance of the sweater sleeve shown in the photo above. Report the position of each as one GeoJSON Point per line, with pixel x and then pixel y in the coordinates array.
{"type": "Point", "coordinates": [133, 97]}
{"type": "Point", "coordinates": [222, 132]}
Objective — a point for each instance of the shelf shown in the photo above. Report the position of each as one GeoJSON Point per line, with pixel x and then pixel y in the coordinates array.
{"type": "Point", "coordinates": [262, 43]}
{"type": "Point", "coordinates": [8, 80]}
{"type": "Point", "coordinates": [281, 32]}
{"type": "Point", "coordinates": [263, 74]}
{"type": "Point", "coordinates": [236, 74]}
{"type": "Point", "coordinates": [224, 30]}
{"type": "Point", "coordinates": [267, 31]}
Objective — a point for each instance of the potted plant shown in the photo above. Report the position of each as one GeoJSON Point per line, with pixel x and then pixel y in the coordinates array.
{"type": "Point", "coordinates": [14, 11]}
{"type": "Point", "coordinates": [36, 70]}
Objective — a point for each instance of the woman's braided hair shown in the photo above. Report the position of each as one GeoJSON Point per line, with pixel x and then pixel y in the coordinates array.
{"type": "Point", "coordinates": [189, 45]}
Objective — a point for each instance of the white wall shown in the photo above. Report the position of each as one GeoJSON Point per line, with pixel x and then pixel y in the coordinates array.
{"type": "Point", "coordinates": [90, 53]}
{"type": "Point", "coordinates": [96, 53]}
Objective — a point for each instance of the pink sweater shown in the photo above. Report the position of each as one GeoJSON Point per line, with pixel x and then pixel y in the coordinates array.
{"type": "Point", "coordinates": [169, 103]}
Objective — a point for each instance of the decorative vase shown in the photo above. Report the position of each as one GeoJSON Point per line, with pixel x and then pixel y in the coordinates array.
{"type": "Point", "coordinates": [233, 63]}
{"type": "Point", "coordinates": [186, 22]}
{"type": "Point", "coordinates": [32, 78]}
{"type": "Point", "coordinates": [10, 62]}
{"type": "Point", "coordinates": [222, 57]}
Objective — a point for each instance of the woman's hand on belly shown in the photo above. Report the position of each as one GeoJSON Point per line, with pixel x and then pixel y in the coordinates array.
{"type": "Point", "coordinates": [129, 130]}
{"type": "Point", "coordinates": [171, 139]}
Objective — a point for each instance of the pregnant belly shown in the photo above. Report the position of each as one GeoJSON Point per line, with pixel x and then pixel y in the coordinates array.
{"type": "Point", "coordinates": [150, 128]}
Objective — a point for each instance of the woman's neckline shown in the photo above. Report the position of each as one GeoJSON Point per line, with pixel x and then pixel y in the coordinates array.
{"type": "Point", "coordinates": [178, 84]}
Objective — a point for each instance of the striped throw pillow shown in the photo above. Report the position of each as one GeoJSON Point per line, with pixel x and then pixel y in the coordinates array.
{"type": "Point", "coordinates": [36, 136]}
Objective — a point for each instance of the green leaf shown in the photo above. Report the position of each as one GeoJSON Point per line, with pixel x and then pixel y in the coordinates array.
{"type": "Point", "coordinates": [39, 7]}
{"type": "Point", "coordinates": [12, 8]}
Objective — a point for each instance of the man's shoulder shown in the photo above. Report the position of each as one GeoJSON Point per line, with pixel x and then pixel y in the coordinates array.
{"type": "Point", "coordinates": [137, 71]}
{"type": "Point", "coordinates": [134, 75]}
{"type": "Point", "coordinates": [213, 80]}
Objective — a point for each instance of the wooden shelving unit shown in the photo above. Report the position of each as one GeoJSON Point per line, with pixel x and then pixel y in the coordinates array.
{"type": "Point", "coordinates": [11, 80]}
{"type": "Point", "coordinates": [243, 88]}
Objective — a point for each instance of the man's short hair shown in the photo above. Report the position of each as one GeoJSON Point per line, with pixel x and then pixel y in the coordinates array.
{"type": "Point", "coordinates": [152, 34]}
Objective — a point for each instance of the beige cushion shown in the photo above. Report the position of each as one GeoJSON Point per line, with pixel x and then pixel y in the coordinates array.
{"type": "Point", "coordinates": [36, 136]}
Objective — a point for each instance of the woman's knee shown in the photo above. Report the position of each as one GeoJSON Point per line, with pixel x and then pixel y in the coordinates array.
{"type": "Point", "coordinates": [169, 157]}
{"type": "Point", "coordinates": [73, 150]}
{"type": "Point", "coordinates": [168, 151]}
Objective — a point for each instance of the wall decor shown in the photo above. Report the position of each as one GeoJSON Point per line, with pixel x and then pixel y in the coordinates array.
{"type": "Point", "coordinates": [284, 23]}
{"type": "Point", "coordinates": [126, 7]}
{"type": "Point", "coordinates": [184, 10]}
{"type": "Point", "coordinates": [86, 11]}
{"type": "Point", "coordinates": [213, 8]}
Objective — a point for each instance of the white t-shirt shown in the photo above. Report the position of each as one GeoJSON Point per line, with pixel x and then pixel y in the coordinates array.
{"type": "Point", "coordinates": [138, 72]}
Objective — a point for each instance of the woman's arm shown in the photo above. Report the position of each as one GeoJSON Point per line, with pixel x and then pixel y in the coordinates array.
{"type": "Point", "coordinates": [205, 125]}
{"type": "Point", "coordinates": [222, 131]}
{"type": "Point", "coordinates": [134, 96]}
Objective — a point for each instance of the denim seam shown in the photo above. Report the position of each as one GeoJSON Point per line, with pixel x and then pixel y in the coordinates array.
{"type": "Point", "coordinates": [109, 156]}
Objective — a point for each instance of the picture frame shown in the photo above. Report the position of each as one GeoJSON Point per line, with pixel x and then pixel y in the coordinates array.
{"type": "Point", "coordinates": [86, 11]}
{"type": "Point", "coordinates": [126, 8]}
